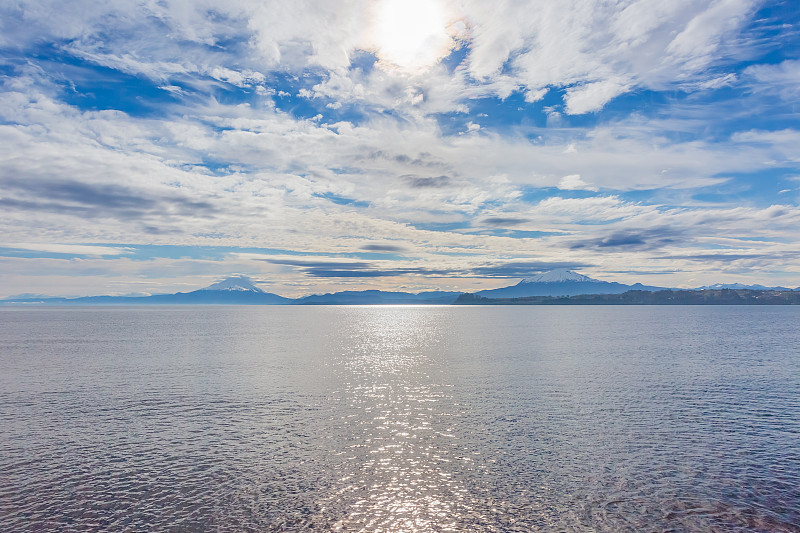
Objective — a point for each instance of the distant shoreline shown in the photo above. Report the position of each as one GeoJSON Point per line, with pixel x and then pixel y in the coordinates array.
{"type": "Point", "coordinates": [666, 297]}
{"type": "Point", "coordinates": [633, 297]}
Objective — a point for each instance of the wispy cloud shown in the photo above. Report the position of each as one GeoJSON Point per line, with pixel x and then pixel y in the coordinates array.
{"type": "Point", "coordinates": [71, 249]}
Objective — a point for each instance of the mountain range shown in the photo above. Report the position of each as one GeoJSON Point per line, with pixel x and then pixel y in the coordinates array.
{"type": "Point", "coordinates": [718, 286]}
{"type": "Point", "coordinates": [240, 290]}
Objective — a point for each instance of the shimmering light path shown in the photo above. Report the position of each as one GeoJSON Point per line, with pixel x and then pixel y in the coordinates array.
{"type": "Point", "coordinates": [400, 419]}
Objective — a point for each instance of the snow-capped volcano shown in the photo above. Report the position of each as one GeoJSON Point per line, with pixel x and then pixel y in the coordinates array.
{"type": "Point", "coordinates": [234, 283]}
{"type": "Point", "coordinates": [561, 282]}
{"type": "Point", "coordinates": [558, 276]}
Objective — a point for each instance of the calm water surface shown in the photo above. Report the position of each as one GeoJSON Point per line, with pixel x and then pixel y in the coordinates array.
{"type": "Point", "coordinates": [400, 419]}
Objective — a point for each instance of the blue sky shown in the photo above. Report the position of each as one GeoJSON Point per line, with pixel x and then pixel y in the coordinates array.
{"type": "Point", "coordinates": [150, 147]}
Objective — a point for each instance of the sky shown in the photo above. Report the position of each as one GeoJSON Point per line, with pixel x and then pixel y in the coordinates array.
{"type": "Point", "coordinates": [317, 145]}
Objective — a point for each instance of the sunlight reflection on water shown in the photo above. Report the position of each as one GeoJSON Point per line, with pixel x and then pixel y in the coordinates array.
{"type": "Point", "coordinates": [401, 442]}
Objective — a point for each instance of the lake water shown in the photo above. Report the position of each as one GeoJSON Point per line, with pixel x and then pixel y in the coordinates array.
{"type": "Point", "coordinates": [518, 418]}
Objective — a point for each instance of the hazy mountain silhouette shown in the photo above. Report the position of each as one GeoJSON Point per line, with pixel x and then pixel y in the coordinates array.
{"type": "Point", "coordinates": [562, 282]}
{"type": "Point", "coordinates": [379, 297]}
{"type": "Point", "coordinates": [240, 290]}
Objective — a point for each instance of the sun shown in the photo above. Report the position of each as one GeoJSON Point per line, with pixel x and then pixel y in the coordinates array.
{"type": "Point", "coordinates": [411, 35]}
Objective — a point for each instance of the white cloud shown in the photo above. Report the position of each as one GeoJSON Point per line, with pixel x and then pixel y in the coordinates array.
{"type": "Point", "coordinates": [782, 79]}
{"type": "Point", "coordinates": [575, 182]}
{"type": "Point", "coordinates": [593, 96]}
{"type": "Point", "coordinates": [595, 209]}
{"type": "Point", "coordinates": [785, 72]}
{"type": "Point", "coordinates": [695, 46]}
{"type": "Point", "coordinates": [535, 95]}
{"type": "Point", "coordinates": [239, 78]}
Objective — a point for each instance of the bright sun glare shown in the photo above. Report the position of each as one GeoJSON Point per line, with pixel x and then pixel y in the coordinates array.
{"type": "Point", "coordinates": [411, 34]}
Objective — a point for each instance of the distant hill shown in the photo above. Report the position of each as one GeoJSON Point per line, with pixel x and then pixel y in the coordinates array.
{"type": "Point", "coordinates": [562, 282]}
{"type": "Point", "coordinates": [663, 297]}
{"type": "Point", "coordinates": [718, 286]}
{"type": "Point", "coordinates": [379, 297]}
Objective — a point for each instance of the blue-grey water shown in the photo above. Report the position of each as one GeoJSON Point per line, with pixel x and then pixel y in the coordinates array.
{"type": "Point", "coordinates": [400, 419]}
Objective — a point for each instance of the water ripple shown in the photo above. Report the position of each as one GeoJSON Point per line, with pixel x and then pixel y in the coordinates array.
{"type": "Point", "coordinates": [400, 419]}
